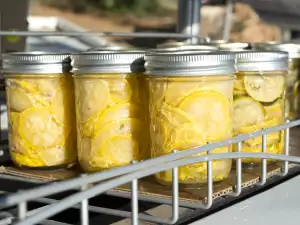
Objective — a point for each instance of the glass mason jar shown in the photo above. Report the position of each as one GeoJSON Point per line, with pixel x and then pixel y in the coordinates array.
{"type": "Point", "coordinates": [259, 98]}
{"type": "Point", "coordinates": [111, 108]}
{"type": "Point", "coordinates": [292, 83]}
{"type": "Point", "coordinates": [40, 102]}
{"type": "Point", "coordinates": [191, 95]}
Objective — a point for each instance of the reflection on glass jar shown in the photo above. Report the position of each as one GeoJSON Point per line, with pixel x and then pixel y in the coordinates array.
{"type": "Point", "coordinates": [40, 104]}
{"type": "Point", "coordinates": [189, 108]}
{"type": "Point", "coordinates": [259, 98]}
{"type": "Point", "coordinates": [111, 110]}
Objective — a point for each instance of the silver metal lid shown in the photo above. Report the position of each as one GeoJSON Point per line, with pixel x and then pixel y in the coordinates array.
{"type": "Point", "coordinates": [190, 63]}
{"type": "Point", "coordinates": [233, 46]}
{"type": "Point", "coordinates": [292, 49]}
{"type": "Point", "coordinates": [108, 62]}
{"type": "Point", "coordinates": [261, 60]}
{"type": "Point", "coordinates": [35, 63]}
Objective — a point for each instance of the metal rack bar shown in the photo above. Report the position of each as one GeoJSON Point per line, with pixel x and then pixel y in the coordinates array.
{"type": "Point", "coordinates": [285, 168]}
{"type": "Point", "coordinates": [100, 188]}
{"type": "Point", "coordinates": [238, 188]}
{"type": "Point", "coordinates": [263, 176]}
{"type": "Point", "coordinates": [78, 182]}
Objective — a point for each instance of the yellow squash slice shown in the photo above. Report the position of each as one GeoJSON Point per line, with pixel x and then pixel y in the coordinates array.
{"type": "Point", "coordinates": [49, 87]}
{"type": "Point", "coordinates": [62, 107]}
{"type": "Point", "coordinates": [265, 88]}
{"type": "Point", "coordinates": [116, 151]}
{"type": "Point", "coordinates": [38, 128]}
{"type": "Point", "coordinates": [87, 128]}
{"type": "Point", "coordinates": [24, 160]}
{"type": "Point", "coordinates": [118, 111]}
{"type": "Point", "coordinates": [177, 91]}
{"type": "Point", "coordinates": [210, 111]}
{"type": "Point", "coordinates": [27, 85]}
{"type": "Point", "coordinates": [120, 90]}
{"type": "Point", "coordinates": [18, 100]}
{"type": "Point", "coordinates": [247, 112]}
{"type": "Point", "coordinates": [274, 110]}
{"type": "Point", "coordinates": [174, 117]}
{"type": "Point", "coordinates": [53, 156]}
{"type": "Point", "coordinates": [92, 98]}
{"type": "Point", "coordinates": [132, 127]}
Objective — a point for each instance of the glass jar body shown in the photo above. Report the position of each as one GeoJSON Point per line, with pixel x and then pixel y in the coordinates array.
{"type": "Point", "coordinates": [41, 118]}
{"type": "Point", "coordinates": [111, 112]}
{"type": "Point", "coordinates": [187, 112]}
{"type": "Point", "coordinates": [259, 103]}
{"type": "Point", "coordinates": [292, 84]}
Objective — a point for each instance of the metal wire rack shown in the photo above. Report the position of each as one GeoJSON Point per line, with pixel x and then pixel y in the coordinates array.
{"type": "Point", "coordinates": [132, 173]}
{"type": "Point", "coordinates": [92, 185]}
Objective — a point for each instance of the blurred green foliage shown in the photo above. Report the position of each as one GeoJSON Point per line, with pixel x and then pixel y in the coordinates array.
{"type": "Point", "coordinates": [139, 7]}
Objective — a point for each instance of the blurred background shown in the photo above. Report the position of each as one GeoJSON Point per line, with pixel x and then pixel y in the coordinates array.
{"type": "Point", "coordinates": [161, 15]}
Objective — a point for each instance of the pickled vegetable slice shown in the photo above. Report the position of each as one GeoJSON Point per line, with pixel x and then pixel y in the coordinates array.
{"type": "Point", "coordinates": [177, 91]}
{"type": "Point", "coordinates": [213, 120]}
{"type": "Point", "coordinates": [25, 160]}
{"type": "Point", "coordinates": [18, 100]}
{"type": "Point", "coordinates": [14, 121]}
{"type": "Point", "coordinates": [119, 111]}
{"type": "Point", "coordinates": [87, 128]}
{"type": "Point", "coordinates": [247, 112]}
{"type": "Point", "coordinates": [274, 110]}
{"type": "Point", "coordinates": [120, 90]}
{"type": "Point", "coordinates": [185, 137]}
{"type": "Point", "coordinates": [128, 126]}
{"type": "Point", "coordinates": [174, 117]}
{"type": "Point", "coordinates": [62, 105]}
{"type": "Point", "coordinates": [53, 156]}
{"type": "Point", "coordinates": [48, 86]}
{"type": "Point", "coordinates": [38, 128]}
{"type": "Point", "coordinates": [116, 151]}
{"type": "Point", "coordinates": [27, 85]}
{"type": "Point", "coordinates": [264, 88]}
{"type": "Point", "coordinates": [92, 98]}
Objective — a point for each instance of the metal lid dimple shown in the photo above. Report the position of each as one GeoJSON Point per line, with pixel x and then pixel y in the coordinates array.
{"type": "Point", "coordinates": [261, 60]}
{"type": "Point", "coordinates": [108, 62]}
{"type": "Point", "coordinates": [190, 63]}
{"type": "Point", "coordinates": [292, 49]}
{"type": "Point", "coordinates": [36, 62]}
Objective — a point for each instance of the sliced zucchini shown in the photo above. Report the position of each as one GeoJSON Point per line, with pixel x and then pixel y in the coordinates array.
{"type": "Point", "coordinates": [247, 112]}
{"type": "Point", "coordinates": [265, 88]}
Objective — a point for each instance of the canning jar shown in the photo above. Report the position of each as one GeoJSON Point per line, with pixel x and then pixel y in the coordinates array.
{"type": "Point", "coordinates": [111, 108]}
{"type": "Point", "coordinates": [292, 83]}
{"type": "Point", "coordinates": [191, 95]}
{"type": "Point", "coordinates": [40, 102]}
{"type": "Point", "coordinates": [259, 98]}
